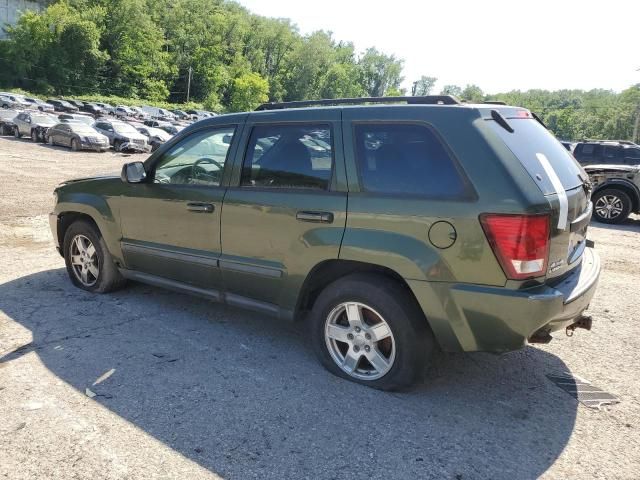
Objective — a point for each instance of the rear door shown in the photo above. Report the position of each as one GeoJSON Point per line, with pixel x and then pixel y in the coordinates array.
{"type": "Point", "coordinates": [560, 178]}
{"type": "Point", "coordinates": [286, 211]}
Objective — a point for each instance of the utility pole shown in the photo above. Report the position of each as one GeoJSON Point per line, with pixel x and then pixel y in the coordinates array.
{"type": "Point", "coordinates": [636, 127]}
{"type": "Point", "coordinates": [189, 84]}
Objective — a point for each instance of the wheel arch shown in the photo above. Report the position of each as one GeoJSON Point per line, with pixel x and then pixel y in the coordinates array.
{"type": "Point", "coordinates": [625, 186]}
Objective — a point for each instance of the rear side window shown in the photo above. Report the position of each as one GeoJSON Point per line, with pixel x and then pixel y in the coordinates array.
{"type": "Point", "coordinates": [531, 143]}
{"type": "Point", "coordinates": [289, 156]}
{"type": "Point", "coordinates": [406, 159]}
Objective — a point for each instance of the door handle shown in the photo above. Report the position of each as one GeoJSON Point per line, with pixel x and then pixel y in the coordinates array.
{"type": "Point", "coordinates": [315, 217]}
{"type": "Point", "coordinates": [200, 207]}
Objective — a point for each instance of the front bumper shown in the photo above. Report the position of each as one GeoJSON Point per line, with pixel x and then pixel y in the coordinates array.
{"type": "Point", "coordinates": [493, 319]}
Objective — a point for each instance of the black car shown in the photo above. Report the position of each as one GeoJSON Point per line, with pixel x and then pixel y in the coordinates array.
{"type": "Point", "coordinates": [78, 136]}
{"type": "Point", "coordinates": [607, 152]}
{"type": "Point", "coordinates": [91, 108]}
{"type": "Point", "coordinates": [62, 105]}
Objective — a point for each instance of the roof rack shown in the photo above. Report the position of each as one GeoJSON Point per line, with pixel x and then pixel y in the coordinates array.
{"type": "Point", "coordinates": [621, 142]}
{"type": "Point", "coordinates": [494, 102]}
{"type": "Point", "coordinates": [418, 100]}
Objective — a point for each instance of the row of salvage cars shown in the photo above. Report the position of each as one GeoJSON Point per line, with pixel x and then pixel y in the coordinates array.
{"type": "Point", "coordinates": [83, 132]}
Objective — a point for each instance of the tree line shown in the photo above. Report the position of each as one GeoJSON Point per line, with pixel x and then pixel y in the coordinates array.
{"type": "Point", "coordinates": [228, 59]}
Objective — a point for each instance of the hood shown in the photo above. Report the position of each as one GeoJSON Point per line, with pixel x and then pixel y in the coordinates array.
{"type": "Point", "coordinates": [74, 181]}
{"type": "Point", "coordinates": [611, 168]}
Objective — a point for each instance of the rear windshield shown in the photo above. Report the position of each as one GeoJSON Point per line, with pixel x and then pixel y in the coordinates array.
{"type": "Point", "coordinates": [529, 141]}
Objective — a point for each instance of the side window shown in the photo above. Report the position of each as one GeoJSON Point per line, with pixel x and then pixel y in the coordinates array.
{"type": "Point", "coordinates": [632, 155]}
{"type": "Point", "coordinates": [611, 154]}
{"type": "Point", "coordinates": [406, 159]}
{"type": "Point", "coordinates": [289, 156]}
{"type": "Point", "coordinates": [198, 159]}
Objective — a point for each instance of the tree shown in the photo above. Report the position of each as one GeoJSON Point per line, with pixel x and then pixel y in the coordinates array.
{"type": "Point", "coordinates": [423, 86]}
{"type": "Point", "coordinates": [472, 93]}
{"type": "Point", "coordinates": [380, 72]}
{"type": "Point", "coordinates": [248, 91]}
{"type": "Point", "coordinates": [454, 90]}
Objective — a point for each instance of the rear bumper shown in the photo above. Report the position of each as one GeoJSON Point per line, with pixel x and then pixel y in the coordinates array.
{"type": "Point", "coordinates": [493, 319]}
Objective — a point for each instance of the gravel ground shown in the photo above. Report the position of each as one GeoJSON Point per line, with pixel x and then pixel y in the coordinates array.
{"type": "Point", "coordinates": [146, 383]}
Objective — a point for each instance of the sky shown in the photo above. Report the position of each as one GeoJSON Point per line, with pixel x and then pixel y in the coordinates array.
{"type": "Point", "coordinates": [499, 45]}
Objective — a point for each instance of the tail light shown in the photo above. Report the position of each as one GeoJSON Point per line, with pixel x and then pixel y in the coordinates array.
{"type": "Point", "coordinates": [520, 242]}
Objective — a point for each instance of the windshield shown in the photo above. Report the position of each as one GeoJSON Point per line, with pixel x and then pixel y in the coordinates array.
{"type": "Point", "coordinates": [42, 119]}
{"type": "Point", "coordinates": [531, 143]}
{"type": "Point", "coordinates": [80, 127]}
{"type": "Point", "coordinates": [124, 128]}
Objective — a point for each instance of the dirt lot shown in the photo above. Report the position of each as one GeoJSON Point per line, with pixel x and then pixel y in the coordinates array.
{"type": "Point", "coordinates": [150, 384]}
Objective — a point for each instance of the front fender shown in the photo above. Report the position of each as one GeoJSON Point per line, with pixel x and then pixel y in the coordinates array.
{"type": "Point", "coordinates": [100, 211]}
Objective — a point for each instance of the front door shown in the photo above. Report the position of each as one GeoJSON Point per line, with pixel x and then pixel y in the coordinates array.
{"type": "Point", "coordinates": [286, 212]}
{"type": "Point", "coordinates": [171, 223]}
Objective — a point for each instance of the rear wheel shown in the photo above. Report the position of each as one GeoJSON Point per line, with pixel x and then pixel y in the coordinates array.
{"type": "Point", "coordinates": [89, 263]}
{"type": "Point", "coordinates": [611, 206]}
{"type": "Point", "coordinates": [368, 329]}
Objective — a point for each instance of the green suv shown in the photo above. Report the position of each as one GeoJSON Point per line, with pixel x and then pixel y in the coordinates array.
{"type": "Point", "coordinates": [392, 227]}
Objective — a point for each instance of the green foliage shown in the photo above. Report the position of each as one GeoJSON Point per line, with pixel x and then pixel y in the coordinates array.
{"type": "Point", "coordinates": [133, 52]}
{"type": "Point", "coordinates": [249, 91]}
{"type": "Point", "coordinates": [424, 85]}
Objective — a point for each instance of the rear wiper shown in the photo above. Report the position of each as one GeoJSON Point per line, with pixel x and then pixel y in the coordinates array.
{"type": "Point", "coordinates": [539, 120]}
{"type": "Point", "coordinates": [500, 120]}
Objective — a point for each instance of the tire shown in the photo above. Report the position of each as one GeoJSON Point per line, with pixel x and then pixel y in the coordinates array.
{"type": "Point", "coordinates": [34, 136]}
{"type": "Point", "coordinates": [117, 145]}
{"type": "Point", "coordinates": [379, 300]}
{"type": "Point", "coordinates": [74, 145]}
{"type": "Point", "coordinates": [50, 141]}
{"type": "Point", "coordinates": [611, 206]}
{"type": "Point", "coordinates": [16, 132]}
{"type": "Point", "coordinates": [102, 275]}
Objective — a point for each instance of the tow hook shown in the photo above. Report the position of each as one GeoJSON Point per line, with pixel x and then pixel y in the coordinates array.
{"type": "Point", "coordinates": [583, 322]}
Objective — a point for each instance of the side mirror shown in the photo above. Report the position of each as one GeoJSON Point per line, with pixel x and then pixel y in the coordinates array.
{"type": "Point", "coordinates": [133, 172]}
{"type": "Point", "coordinates": [227, 139]}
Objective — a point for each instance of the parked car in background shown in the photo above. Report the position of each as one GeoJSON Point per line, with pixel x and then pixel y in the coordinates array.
{"type": "Point", "coordinates": [434, 238]}
{"type": "Point", "coordinates": [76, 103]}
{"type": "Point", "coordinates": [616, 191]}
{"type": "Point", "coordinates": [197, 115]}
{"type": "Point", "coordinates": [158, 113]}
{"type": "Point", "coordinates": [41, 105]}
{"type": "Point", "coordinates": [139, 113]}
{"type": "Point", "coordinates": [13, 101]}
{"type": "Point", "coordinates": [122, 111]}
{"type": "Point", "coordinates": [62, 105]}
{"type": "Point", "coordinates": [76, 117]}
{"type": "Point", "coordinates": [122, 136]}
{"type": "Point", "coordinates": [106, 108]}
{"type": "Point", "coordinates": [77, 136]}
{"type": "Point", "coordinates": [92, 109]}
{"type": "Point", "coordinates": [607, 152]}
{"type": "Point", "coordinates": [172, 129]}
{"type": "Point", "coordinates": [7, 126]}
{"type": "Point", "coordinates": [181, 115]}
{"type": "Point", "coordinates": [568, 145]}
{"type": "Point", "coordinates": [155, 136]}
{"type": "Point", "coordinates": [33, 124]}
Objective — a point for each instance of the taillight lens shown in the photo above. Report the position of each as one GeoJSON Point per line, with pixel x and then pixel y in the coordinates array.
{"type": "Point", "coordinates": [520, 242]}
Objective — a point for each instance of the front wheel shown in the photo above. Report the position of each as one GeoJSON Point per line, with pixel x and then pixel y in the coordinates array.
{"type": "Point", "coordinates": [50, 141]}
{"type": "Point", "coordinates": [611, 206]}
{"type": "Point", "coordinates": [16, 132]}
{"type": "Point", "coordinates": [89, 263]}
{"type": "Point", "coordinates": [34, 136]}
{"type": "Point", "coordinates": [74, 145]}
{"type": "Point", "coordinates": [368, 329]}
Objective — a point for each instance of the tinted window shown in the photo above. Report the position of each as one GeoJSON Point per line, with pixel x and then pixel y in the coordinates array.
{"type": "Point", "coordinates": [289, 156]}
{"type": "Point", "coordinates": [198, 159]}
{"type": "Point", "coordinates": [611, 154]}
{"type": "Point", "coordinates": [530, 142]}
{"type": "Point", "coordinates": [406, 159]}
{"type": "Point", "coordinates": [632, 153]}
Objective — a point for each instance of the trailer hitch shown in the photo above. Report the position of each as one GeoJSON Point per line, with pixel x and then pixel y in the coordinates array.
{"type": "Point", "coordinates": [583, 322]}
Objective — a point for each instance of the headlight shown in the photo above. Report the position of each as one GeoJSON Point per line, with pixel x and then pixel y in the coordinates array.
{"type": "Point", "coordinates": [84, 139]}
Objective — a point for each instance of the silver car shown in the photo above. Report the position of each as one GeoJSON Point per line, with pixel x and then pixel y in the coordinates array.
{"type": "Point", "coordinates": [122, 136]}
{"type": "Point", "coordinates": [78, 136]}
{"type": "Point", "coordinates": [33, 124]}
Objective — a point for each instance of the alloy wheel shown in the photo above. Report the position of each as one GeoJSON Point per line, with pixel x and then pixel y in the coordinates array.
{"type": "Point", "coordinates": [84, 260]}
{"type": "Point", "coordinates": [360, 341]}
{"type": "Point", "coordinates": [609, 206]}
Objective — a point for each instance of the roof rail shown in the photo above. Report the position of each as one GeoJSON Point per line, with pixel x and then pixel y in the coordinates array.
{"type": "Point", "coordinates": [494, 102]}
{"type": "Point", "coordinates": [621, 142]}
{"type": "Point", "coordinates": [418, 100]}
